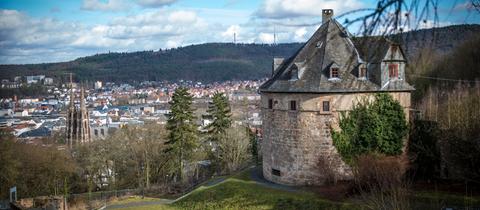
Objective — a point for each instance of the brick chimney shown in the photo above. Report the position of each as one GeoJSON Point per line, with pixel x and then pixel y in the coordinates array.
{"type": "Point", "coordinates": [327, 14]}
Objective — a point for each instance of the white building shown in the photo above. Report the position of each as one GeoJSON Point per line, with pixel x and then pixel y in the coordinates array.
{"type": "Point", "coordinates": [98, 85]}
{"type": "Point", "coordinates": [48, 81]}
{"type": "Point", "coordinates": [35, 79]}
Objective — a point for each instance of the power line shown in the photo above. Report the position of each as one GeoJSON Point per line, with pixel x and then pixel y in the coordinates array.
{"type": "Point", "coordinates": [443, 79]}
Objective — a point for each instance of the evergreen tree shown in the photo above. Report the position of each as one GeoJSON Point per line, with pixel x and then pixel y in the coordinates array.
{"type": "Point", "coordinates": [218, 111]}
{"type": "Point", "coordinates": [182, 137]}
{"type": "Point", "coordinates": [253, 146]}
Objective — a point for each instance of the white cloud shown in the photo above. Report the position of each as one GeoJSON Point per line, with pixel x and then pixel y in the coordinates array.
{"type": "Point", "coordinates": [266, 38]}
{"type": "Point", "coordinates": [27, 40]}
{"type": "Point", "coordinates": [172, 44]}
{"type": "Point", "coordinates": [11, 19]}
{"type": "Point", "coordinates": [231, 31]}
{"type": "Point", "coordinates": [300, 34]}
{"type": "Point", "coordinates": [109, 5]}
{"type": "Point", "coordinates": [300, 8]}
{"type": "Point", "coordinates": [24, 39]}
{"type": "Point", "coordinates": [155, 3]}
{"type": "Point", "coordinates": [182, 17]}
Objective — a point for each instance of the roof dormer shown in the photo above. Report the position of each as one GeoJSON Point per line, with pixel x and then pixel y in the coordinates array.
{"type": "Point", "coordinates": [362, 71]}
{"type": "Point", "coordinates": [294, 72]}
{"type": "Point", "coordinates": [334, 72]}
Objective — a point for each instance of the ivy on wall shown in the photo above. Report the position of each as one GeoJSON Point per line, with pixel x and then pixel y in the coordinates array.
{"type": "Point", "coordinates": [377, 127]}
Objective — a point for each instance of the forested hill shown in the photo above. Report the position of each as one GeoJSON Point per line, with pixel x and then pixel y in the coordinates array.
{"type": "Point", "coordinates": [212, 61]}
{"type": "Point", "coordinates": [204, 62]}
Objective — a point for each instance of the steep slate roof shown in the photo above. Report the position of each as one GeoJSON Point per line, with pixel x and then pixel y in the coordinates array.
{"type": "Point", "coordinates": [373, 49]}
{"type": "Point", "coordinates": [330, 46]}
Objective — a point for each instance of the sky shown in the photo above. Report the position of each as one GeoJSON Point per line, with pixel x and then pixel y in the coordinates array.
{"type": "Point", "coordinates": [41, 31]}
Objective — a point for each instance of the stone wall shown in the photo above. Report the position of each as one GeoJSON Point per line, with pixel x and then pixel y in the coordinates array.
{"type": "Point", "coordinates": [294, 141]}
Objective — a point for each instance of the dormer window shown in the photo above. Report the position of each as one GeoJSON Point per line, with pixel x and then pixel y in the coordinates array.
{"type": "Point", "coordinates": [294, 73]}
{"type": "Point", "coordinates": [393, 71]}
{"type": "Point", "coordinates": [334, 72]}
{"type": "Point", "coordinates": [362, 73]}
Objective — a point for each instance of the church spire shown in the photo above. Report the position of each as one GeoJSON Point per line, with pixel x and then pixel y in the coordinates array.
{"type": "Point", "coordinates": [78, 125]}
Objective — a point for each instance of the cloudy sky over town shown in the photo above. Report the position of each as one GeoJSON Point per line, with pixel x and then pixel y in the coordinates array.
{"type": "Point", "coordinates": [37, 31]}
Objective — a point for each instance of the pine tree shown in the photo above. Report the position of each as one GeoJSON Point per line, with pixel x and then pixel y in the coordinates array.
{"type": "Point", "coordinates": [218, 111]}
{"type": "Point", "coordinates": [182, 137]}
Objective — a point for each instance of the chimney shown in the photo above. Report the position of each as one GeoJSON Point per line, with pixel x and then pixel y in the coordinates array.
{"type": "Point", "coordinates": [276, 63]}
{"type": "Point", "coordinates": [327, 14]}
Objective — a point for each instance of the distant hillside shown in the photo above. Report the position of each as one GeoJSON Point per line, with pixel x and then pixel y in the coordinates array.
{"type": "Point", "coordinates": [213, 61]}
{"type": "Point", "coordinates": [205, 62]}
{"type": "Point", "coordinates": [441, 40]}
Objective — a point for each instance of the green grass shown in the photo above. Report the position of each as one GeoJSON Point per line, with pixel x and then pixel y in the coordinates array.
{"type": "Point", "coordinates": [134, 199]}
{"type": "Point", "coordinates": [239, 192]}
{"type": "Point", "coordinates": [442, 198]}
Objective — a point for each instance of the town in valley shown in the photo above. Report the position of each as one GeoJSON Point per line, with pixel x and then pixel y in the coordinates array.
{"type": "Point", "coordinates": [226, 104]}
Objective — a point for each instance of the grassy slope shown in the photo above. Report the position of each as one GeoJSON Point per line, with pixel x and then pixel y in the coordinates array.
{"type": "Point", "coordinates": [239, 193]}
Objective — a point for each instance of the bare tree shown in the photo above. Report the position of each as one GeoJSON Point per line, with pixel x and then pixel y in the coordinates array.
{"type": "Point", "coordinates": [233, 149]}
{"type": "Point", "coordinates": [394, 16]}
{"type": "Point", "coordinates": [476, 5]}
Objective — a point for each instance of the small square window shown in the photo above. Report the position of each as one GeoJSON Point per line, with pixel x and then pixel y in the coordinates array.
{"type": "Point", "coordinates": [270, 103]}
{"type": "Point", "coordinates": [393, 71]}
{"type": "Point", "coordinates": [326, 106]}
{"type": "Point", "coordinates": [293, 105]}
{"type": "Point", "coordinates": [334, 73]}
{"type": "Point", "coordinates": [276, 172]}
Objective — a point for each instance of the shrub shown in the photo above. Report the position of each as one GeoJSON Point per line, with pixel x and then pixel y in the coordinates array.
{"type": "Point", "coordinates": [379, 181]}
{"type": "Point", "coordinates": [371, 127]}
{"type": "Point", "coordinates": [423, 149]}
{"type": "Point", "coordinates": [327, 166]}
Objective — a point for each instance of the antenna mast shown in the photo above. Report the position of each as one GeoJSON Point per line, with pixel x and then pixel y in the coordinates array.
{"type": "Point", "coordinates": [274, 35]}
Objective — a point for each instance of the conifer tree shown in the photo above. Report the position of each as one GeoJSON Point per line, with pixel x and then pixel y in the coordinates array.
{"type": "Point", "coordinates": [182, 137]}
{"type": "Point", "coordinates": [219, 111]}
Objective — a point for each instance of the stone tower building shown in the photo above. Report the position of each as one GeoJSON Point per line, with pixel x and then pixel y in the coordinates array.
{"type": "Point", "coordinates": [78, 126]}
{"type": "Point", "coordinates": [302, 100]}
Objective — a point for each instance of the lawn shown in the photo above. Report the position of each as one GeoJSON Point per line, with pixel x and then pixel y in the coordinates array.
{"type": "Point", "coordinates": [134, 199]}
{"type": "Point", "coordinates": [238, 192]}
